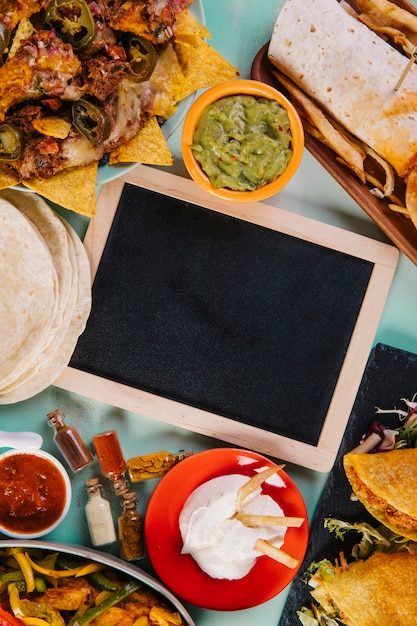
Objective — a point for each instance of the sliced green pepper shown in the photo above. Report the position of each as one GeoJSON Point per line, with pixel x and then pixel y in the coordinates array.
{"type": "Point", "coordinates": [43, 611]}
{"type": "Point", "coordinates": [73, 22]}
{"type": "Point", "coordinates": [78, 614]}
{"type": "Point", "coordinates": [115, 598]}
{"type": "Point", "coordinates": [4, 37]}
{"type": "Point", "coordinates": [11, 142]}
{"type": "Point", "coordinates": [141, 55]}
{"type": "Point", "coordinates": [18, 578]}
{"type": "Point", "coordinates": [100, 581]}
{"type": "Point", "coordinates": [91, 121]}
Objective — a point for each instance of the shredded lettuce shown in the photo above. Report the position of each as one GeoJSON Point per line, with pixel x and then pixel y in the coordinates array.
{"type": "Point", "coordinates": [371, 540]}
{"type": "Point", "coordinates": [323, 569]}
{"type": "Point", "coordinates": [306, 617]}
{"type": "Point", "coordinates": [316, 617]}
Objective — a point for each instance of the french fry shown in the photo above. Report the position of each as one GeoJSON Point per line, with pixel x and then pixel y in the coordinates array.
{"type": "Point", "coordinates": [411, 195]}
{"type": "Point", "coordinates": [258, 521]}
{"type": "Point", "coordinates": [256, 481]}
{"type": "Point", "coordinates": [398, 208]}
{"type": "Point", "coordinates": [266, 548]}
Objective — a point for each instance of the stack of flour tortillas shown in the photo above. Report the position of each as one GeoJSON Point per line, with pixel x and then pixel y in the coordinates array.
{"type": "Point", "coordinates": [45, 294]}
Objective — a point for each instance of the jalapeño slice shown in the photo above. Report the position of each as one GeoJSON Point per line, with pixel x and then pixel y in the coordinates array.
{"type": "Point", "coordinates": [91, 121]}
{"type": "Point", "coordinates": [11, 142]}
{"type": "Point", "coordinates": [4, 37]}
{"type": "Point", "coordinates": [73, 22]}
{"type": "Point", "coordinates": [141, 55]}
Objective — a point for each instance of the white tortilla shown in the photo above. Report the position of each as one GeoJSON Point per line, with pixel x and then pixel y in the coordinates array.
{"type": "Point", "coordinates": [27, 289]}
{"type": "Point", "coordinates": [39, 250]}
{"type": "Point", "coordinates": [56, 355]}
{"type": "Point", "coordinates": [351, 73]}
{"type": "Point", "coordinates": [50, 228]}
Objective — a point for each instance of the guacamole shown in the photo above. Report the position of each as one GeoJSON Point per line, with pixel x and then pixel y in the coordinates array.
{"type": "Point", "coordinates": [243, 142]}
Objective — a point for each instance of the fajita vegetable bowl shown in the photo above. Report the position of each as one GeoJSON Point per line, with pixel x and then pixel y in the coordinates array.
{"type": "Point", "coordinates": [54, 583]}
{"type": "Point", "coordinates": [242, 140]}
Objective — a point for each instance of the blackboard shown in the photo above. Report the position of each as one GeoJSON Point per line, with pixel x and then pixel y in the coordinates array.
{"type": "Point", "coordinates": [227, 316]}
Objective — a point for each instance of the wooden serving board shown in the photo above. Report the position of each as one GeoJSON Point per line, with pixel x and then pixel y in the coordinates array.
{"type": "Point", "coordinates": [241, 322]}
{"type": "Point", "coordinates": [399, 229]}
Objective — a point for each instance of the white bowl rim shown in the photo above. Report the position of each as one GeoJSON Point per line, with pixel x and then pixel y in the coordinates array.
{"type": "Point", "coordinates": [68, 489]}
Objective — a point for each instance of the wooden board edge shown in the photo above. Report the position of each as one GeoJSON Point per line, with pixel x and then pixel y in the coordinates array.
{"type": "Point", "coordinates": [194, 419]}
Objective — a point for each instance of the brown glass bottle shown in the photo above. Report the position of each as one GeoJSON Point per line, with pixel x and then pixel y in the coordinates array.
{"type": "Point", "coordinates": [130, 528]}
{"type": "Point", "coordinates": [69, 442]}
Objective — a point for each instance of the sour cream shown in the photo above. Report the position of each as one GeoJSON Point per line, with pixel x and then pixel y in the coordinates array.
{"type": "Point", "coordinates": [223, 547]}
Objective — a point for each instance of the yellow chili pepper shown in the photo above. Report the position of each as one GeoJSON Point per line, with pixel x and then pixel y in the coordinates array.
{"type": "Point", "coordinates": [90, 568]}
{"type": "Point", "coordinates": [34, 621]}
{"type": "Point", "coordinates": [55, 573]}
{"type": "Point", "coordinates": [25, 566]}
{"type": "Point", "coordinates": [103, 595]}
{"type": "Point", "coordinates": [14, 600]}
{"type": "Point", "coordinates": [164, 617]}
{"type": "Point", "coordinates": [141, 621]}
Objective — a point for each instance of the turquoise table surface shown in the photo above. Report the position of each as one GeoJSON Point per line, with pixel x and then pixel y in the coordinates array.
{"type": "Point", "coordinates": [239, 29]}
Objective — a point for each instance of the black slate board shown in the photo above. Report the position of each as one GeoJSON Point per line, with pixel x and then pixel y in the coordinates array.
{"type": "Point", "coordinates": [390, 374]}
{"type": "Point", "coordinates": [221, 314]}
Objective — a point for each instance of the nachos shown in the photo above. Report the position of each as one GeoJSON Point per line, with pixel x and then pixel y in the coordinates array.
{"type": "Point", "coordinates": [84, 83]}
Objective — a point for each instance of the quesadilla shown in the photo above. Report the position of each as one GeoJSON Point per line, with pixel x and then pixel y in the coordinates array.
{"type": "Point", "coordinates": [378, 591]}
{"type": "Point", "coordinates": [385, 484]}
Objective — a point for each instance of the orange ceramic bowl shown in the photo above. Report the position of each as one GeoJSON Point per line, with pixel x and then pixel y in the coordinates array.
{"type": "Point", "coordinates": [231, 88]}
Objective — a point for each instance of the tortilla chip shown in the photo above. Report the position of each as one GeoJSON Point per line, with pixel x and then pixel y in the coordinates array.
{"type": "Point", "coordinates": [201, 65]}
{"type": "Point", "coordinates": [73, 188]}
{"type": "Point", "coordinates": [23, 31]}
{"type": "Point", "coordinates": [8, 177]}
{"type": "Point", "coordinates": [149, 147]}
{"type": "Point", "coordinates": [52, 126]}
{"type": "Point", "coordinates": [187, 24]}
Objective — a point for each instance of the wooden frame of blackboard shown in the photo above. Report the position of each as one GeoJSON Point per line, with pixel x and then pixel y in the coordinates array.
{"type": "Point", "coordinates": [319, 457]}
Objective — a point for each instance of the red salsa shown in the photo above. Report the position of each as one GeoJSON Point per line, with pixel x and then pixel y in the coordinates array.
{"type": "Point", "coordinates": [32, 493]}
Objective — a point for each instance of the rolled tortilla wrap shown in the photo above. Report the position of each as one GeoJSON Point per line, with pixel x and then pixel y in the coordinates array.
{"type": "Point", "coordinates": [352, 74]}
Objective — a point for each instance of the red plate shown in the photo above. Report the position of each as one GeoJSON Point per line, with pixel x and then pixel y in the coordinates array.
{"type": "Point", "coordinates": [180, 572]}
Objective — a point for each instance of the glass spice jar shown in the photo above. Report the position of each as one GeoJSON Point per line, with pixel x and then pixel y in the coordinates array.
{"type": "Point", "coordinates": [69, 442]}
{"type": "Point", "coordinates": [112, 462]}
{"type": "Point", "coordinates": [130, 528]}
{"type": "Point", "coordinates": [99, 516]}
{"type": "Point", "coordinates": [154, 465]}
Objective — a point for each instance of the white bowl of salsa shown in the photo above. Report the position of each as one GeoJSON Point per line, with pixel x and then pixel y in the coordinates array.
{"type": "Point", "coordinates": [35, 493]}
{"type": "Point", "coordinates": [242, 140]}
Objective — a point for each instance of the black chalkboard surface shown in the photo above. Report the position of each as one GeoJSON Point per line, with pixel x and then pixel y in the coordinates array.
{"type": "Point", "coordinates": [231, 317]}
